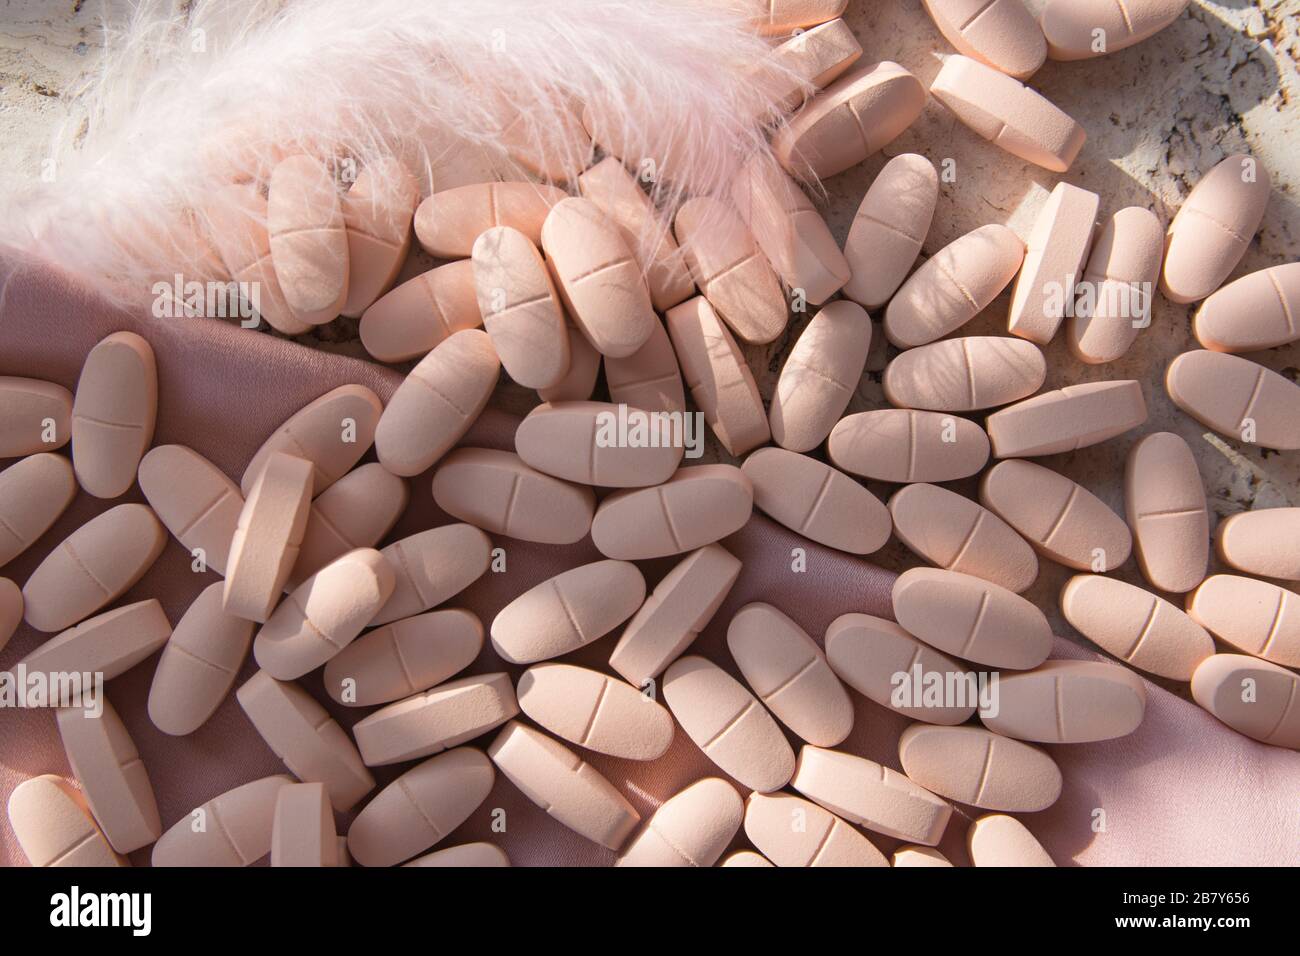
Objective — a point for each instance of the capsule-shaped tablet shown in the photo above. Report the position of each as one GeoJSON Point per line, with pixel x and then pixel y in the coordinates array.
{"type": "Point", "coordinates": [409, 321]}
{"type": "Point", "coordinates": [232, 829]}
{"type": "Point", "coordinates": [681, 605]}
{"type": "Point", "coordinates": [649, 378]}
{"type": "Point", "coordinates": [691, 828]}
{"type": "Point", "coordinates": [447, 222]}
{"type": "Point", "coordinates": [1258, 617]}
{"type": "Point", "coordinates": [302, 827]}
{"type": "Point", "coordinates": [11, 610]}
{"type": "Point", "coordinates": [889, 227]}
{"type": "Point", "coordinates": [871, 795]}
{"type": "Point", "coordinates": [818, 502]}
{"type": "Point", "coordinates": [1068, 702]}
{"type": "Point", "coordinates": [816, 57]}
{"type": "Point", "coordinates": [437, 720]}
{"type": "Point", "coordinates": [1253, 697]}
{"type": "Point", "coordinates": [496, 491]}
{"type": "Point", "coordinates": [953, 286]}
{"type": "Point", "coordinates": [1213, 227]}
{"type": "Point", "coordinates": [267, 537]}
{"type": "Point", "coordinates": [113, 413]}
{"type": "Point", "coordinates": [884, 663]}
{"type": "Point", "coordinates": [788, 672]}
{"type": "Point", "coordinates": [971, 618]}
{"type": "Point", "coordinates": [853, 118]}
{"type": "Point", "coordinates": [792, 831]}
{"type": "Point", "coordinates": [1165, 505]}
{"type": "Point", "coordinates": [309, 240]}
{"type": "Point", "coordinates": [377, 213]}
{"type": "Point", "coordinates": [1118, 287]}
{"type": "Point", "coordinates": [730, 270]}
{"type": "Point", "coordinates": [694, 507]}
{"type": "Point", "coordinates": [431, 567]}
{"type": "Point", "coordinates": [567, 611]}
{"type": "Point", "coordinates": [577, 384]}
{"type": "Point", "coordinates": [1265, 542]}
{"type": "Point", "coordinates": [1002, 33]}
{"type": "Point", "coordinates": [596, 711]}
{"type": "Point", "coordinates": [717, 376]}
{"type": "Point", "coordinates": [110, 643]}
{"type": "Point", "coordinates": [1061, 519]}
{"type": "Point", "coordinates": [725, 721]}
{"type": "Point", "coordinates": [919, 856]}
{"type": "Point", "coordinates": [820, 376]}
{"type": "Point", "coordinates": [1009, 114]}
{"type": "Point", "coordinates": [1071, 26]}
{"type": "Point", "coordinates": [420, 807]}
{"type": "Point", "coordinates": [35, 416]}
{"type": "Point", "coordinates": [905, 445]}
{"type": "Point", "coordinates": [568, 788]}
{"type": "Point", "coordinates": [999, 840]}
{"type": "Point", "coordinates": [974, 766]}
{"type": "Point", "coordinates": [195, 500]}
{"type": "Point", "coordinates": [355, 512]}
{"type": "Point", "coordinates": [747, 857]}
{"type": "Point", "coordinates": [1252, 313]}
{"type": "Point", "coordinates": [54, 827]}
{"type": "Point", "coordinates": [92, 567]}
{"type": "Point", "coordinates": [1237, 398]}
{"type": "Point", "coordinates": [596, 443]}
{"type": "Point", "coordinates": [953, 532]}
{"type": "Point", "coordinates": [966, 374]}
{"type": "Point", "coordinates": [1067, 419]}
{"type": "Point", "coordinates": [311, 744]}
{"type": "Point", "coordinates": [34, 491]}
{"type": "Point", "coordinates": [779, 17]}
{"type": "Point", "coordinates": [465, 855]}
{"type": "Point", "coordinates": [1054, 263]}
{"type": "Point", "coordinates": [332, 433]}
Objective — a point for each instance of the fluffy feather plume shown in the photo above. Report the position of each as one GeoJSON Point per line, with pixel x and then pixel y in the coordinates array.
{"type": "Point", "coordinates": [187, 102]}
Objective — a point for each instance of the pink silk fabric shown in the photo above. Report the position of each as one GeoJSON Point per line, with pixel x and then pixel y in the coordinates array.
{"type": "Point", "coordinates": [1182, 790]}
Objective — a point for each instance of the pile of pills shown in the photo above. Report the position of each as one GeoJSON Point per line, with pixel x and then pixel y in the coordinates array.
{"type": "Point", "coordinates": [555, 284]}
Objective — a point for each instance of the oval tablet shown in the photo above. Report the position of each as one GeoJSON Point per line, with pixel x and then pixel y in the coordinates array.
{"type": "Point", "coordinates": [92, 567]}
{"type": "Point", "coordinates": [113, 413]}
{"type": "Point", "coordinates": [904, 445]}
{"type": "Point", "coordinates": [1165, 505]}
{"type": "Point", "coordinates": [236, 828]}
{"type": "Point", "coordinates": [971, 618]}
{"type": "Point", "coordinates": [966, 374]}
{"type": "Point", "coordinates": [695, 507]}
{"type": "Point", "coordinates": [567, 611]}
{"type": "Point", "coordinates": [267, 537]}
{"type": "Point", "coordinates": [377, 213]}
{"type": "Point", "coordinates": [1260, 618]}
{"type": "Point", "coordinates": [1121, 279]}
{"type": "Point", "coordinates": [1068, 702]}
{"type": "Point", "coordinates": [953, 286]}
{"type": "Point", "coordinates": [816, 57]}
{"type": "Point", "coordinates": [1237, 398]}
{"type": "Point", "coordinates": [815, 500]}
{"type": "Point", "coordinates": [410, 321]}
{"type": "Point", "coordinates": [777, 17]}
{"type": "Point", "coordinates": [1071, 26]}
{"type": "Point", "coordinates": [579, 381]}
{"type": "Point", "coordinates": [596, 443]}
{"type": "Point", "coordinates": [648, 378]}
{"type": "Point", "coordinates": [447, 222]}
{"type": "Point", "coordinates": [34, 491]}
{"type": "Point", "coordinates": [596, 711]}
{"type": "Point", "coordinates": [747, 857]}
{"type": "Point", "coordinates": [35, 416]}
{"type": "Point", "coordinates": [11, 610]}
{"type": "Point", "coordinates": [691, 828]}
{"type": "Point", "coordinates": [1257, 311]}
{"type": "Point", "coordinates": [1000, 33]}
{"type": "Point", "coordinates": [431, 567]}
{"type": "Point", "coordinates": [999, 840]}
{"type": "Point", "coordinates": [1054, 262]}
{"type": "Point", "coordinates": [237, 223]}
{"type": "Point", "coordinates": [54, 827]}
{"type": "Point", "coordinates": [792, 831]}
{"type": "Point", "coordinates": [195, 500]}
{"type": "Point", "coordinates": [820, 376]}
{"type": "Point", "coordinates": [889, 227]}
{"type": "Point", "coordinates": [110, 643]}
{"type": "Point", "coordinates": [977, 767]}
{"type": "Point", "coordinates": [309, 240]}
{"type": "Point", "coordinates": [355, 512]}
{"type": "Point", "coordinates": [1067, 419]}
{"type": "Point", "coordinates": [467, 854]}
{"type": "Point", "coordinates": [302, 829]}
{"type": "Point", "coordinates": [1253, 697]}
{"type": "Point", "coordinates": [1265, 542]}
{"type": "Point", "coordinates": [919, 856]}
{"type": "Point", "coordinates": [726, 722]}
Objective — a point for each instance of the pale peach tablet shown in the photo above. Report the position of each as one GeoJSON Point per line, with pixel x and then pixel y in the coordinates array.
{"type": "Point", "coordinates": [448, 222]}
{"type": "Point", "coordinates": [853, 118]}
{"type": "Point", "coordinates": [377, 212]}
{"type": "Point", "coordinates": [409, 321]}
{"type": "Point", "coordinates": [311, 744]}
{"type": "Point", "coordinates": [1119, 285]}
{"type": "Point", "coordinates": [520, 307]}
{"type": "Point", "coordinates": [404, 657]}
{"type": "Point", "coordinates": [1067, 419]}
{"type": "Point", "coordinates": [465, 855]}
{"type": "Point", "coordinates": [792, 831]}
{"type": "Point", "coordinates": [232, 829]}
{"type": "Point", "coordinates": [904, 445]}
{"type": "Point", "coordinates": [11, 610]}
{"type": "Point", "coordinates": [748, 857]}
{"type": "Point", "coordinates": [1236, 397]}
{"type": "Point", "coordinates": [569, 789]}
{"type": "Point", "coordinates": [357, 511]}
{"type": "Point", "coordinates": [1213, 227]}
{"type": "Point", "coordinates": [600, 280]}
{"type": "Point", "coordinates": [953, 286]}
{"type": "Point", "coordinates": [816, 57]}
{"type": "Point", "coordinates": [1054, 260]}
{"type": "Point", "coordinates": [1265, 542]}
{"type": "Point", "coordinates": [871, 795]}
{"type": "Point", "coordinates": [649, 378]}
{"type": "Point", "coordinates": [965, 374]}
{"type": "Point", "coordinates": [267, 537]}
{"type": "Point", "coordinates": [579, 381]}
{"type": "Point", "coordinates": [674, 614]}
{"type": "Point", "coordinates": [34, 491]}
{"type": "Point", "coordinates": [611, 187]}
{"type": "Point", "coordinates": [553, 150]}
{"type": "Point", "coordinates": [597, 443]}
{"type": "Point", "coordinates": [431, 567]}
{"type": "Point", "coordinates": [1068, 702]}
{"type": "Point", "coordinates": [953, 532]}
{"type": "Point", "coordinates": [332, 433]}
{"type": "Point", "coordinates": [110, 643]}
{"type": "Point", "coordinates": [820, 503]}
{"type": "Point", "coordinates": [1000, 840]}
{"type": "Point", "coordinates": [1255, 616]}
{"type": "Point", "coordinates": [919, 856]}
{"type": "Point", "coordinates": [777, 17]}
{"type": "Point", "coordinates": [420, 807]}
{"type": "Point", "coordinates": [790, 231]}
{"type": "Point", "coordinates": [113, 778]}
{"type": "Point", "coordinates": [974, 766]}
{"type": "Point", "coordinates": [309, 240]}
{"type": "Point", "coordinates": [302, 828]}
{"type": "Point", "coordinates": [437, 402]}
{"type": "Point", "coordinates": [567, 611]}
{"type": "Point", "coordinates": [1009, 114]}
{"type": "Point", "coordinates": [820, 376]}
{"type": "Point", "coordinates": [92, 567]}
{"type": "Point", "coordinates": [1061, 519]}
{"type": "Point", "coordinates": [195, 500]}
{"type": "Point", "coordinates": [436, 720]}
{"type": "Point", "coordinates": [113, 413]}
{"type": "Point", "coordinates": [496, 491]}
{"type": "Point", "coordinates": [1257, 311]}
{"type": "Point", "coordinates": [1165, 506]}
{"type": "Point", "coordinates": [54, 827]}
{"type": "Point", "coordinates": [730, 270]}
{"type": "Point", "coordinates": [596, 711]}
{"type": "Point", "coordinates": [1000, 33]}
{"type": "Point", "coordinates": [725, 721]}
{"type": "Point", "coordinates": [788, 672]}
{"type": "Point", "coordinates": [971, 618]}
{"type": "Point", "coordinates": [35, 416]}
{"type": "Point", "coordinates": [889, 227]}
{"type": "Point", "coordinates": [717, 376]}
{"type": "Point", "coordinates": [1253, 697]}
{"type": "Point", "coordinates": [695, 507]}
{"type": "Point", "coordinates": [884, 663]}
{"type": "Point", "coordinates": [691, 828]}
{"type": "Point", "coordinates": [1082, 29]}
